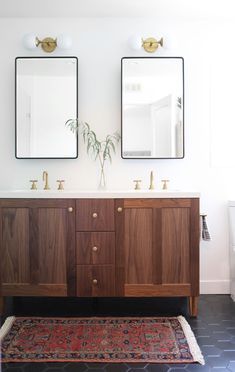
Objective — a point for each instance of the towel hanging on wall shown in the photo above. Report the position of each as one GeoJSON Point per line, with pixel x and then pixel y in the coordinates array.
{"type": "Point", "coordinates": [205, 231]}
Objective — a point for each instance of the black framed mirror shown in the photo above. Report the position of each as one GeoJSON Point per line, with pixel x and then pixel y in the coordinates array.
{"type": "Point", "coordinates": [152, 107]}
{"type": "Point", "coordinates": [46, 91]}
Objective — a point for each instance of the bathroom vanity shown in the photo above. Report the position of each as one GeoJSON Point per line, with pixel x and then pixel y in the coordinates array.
{"type": "Point", "coordinates": [105, 244]}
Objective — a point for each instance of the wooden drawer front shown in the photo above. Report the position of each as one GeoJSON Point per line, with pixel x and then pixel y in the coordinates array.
{"type": "Point", "coordinates": [95, 215]}
{"type": "Point", "coordinates": [95, 248]}
{"type": "Point", "coordinates": [95, 281]}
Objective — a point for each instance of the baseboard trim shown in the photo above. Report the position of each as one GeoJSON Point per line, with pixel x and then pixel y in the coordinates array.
{"type": "Point", "coordinates": [215, 286]}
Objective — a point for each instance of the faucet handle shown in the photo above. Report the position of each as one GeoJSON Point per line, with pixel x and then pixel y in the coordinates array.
{"type": "Point", "coordinates": [60, 185]}
{"type": "Point", "coordinates": [137, 184]}
{"type": "Point", "coordinates": [34, 184]}
{"type": "Point", "coordinates": [164, 186]}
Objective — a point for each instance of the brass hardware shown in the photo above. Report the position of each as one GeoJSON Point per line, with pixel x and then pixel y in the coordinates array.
{"type": "Point", "coordinates": [164, 186]}
{"type": "Point", "coordinates": [70, 209]}
{"type": "Point", "coordinates": [48, 44]}
{"type": "Point", "coordinates": [151, 187]}
{"type": "Point", "coordinates": [45, 178]}
{"type": "Point", "coordinates": [34, 184]}
{"type": "Point", "coordinates": [151, 44]}
{"type": "Point", "coordinates": [95, 281]}
{"type": "Point", "coordinates": [137, 184]}
{"type": "Point", "coordinates": [60, 186]}
{"type": "Point", "coordinates": [95, 249]}
{"type": "Point", "coordinates": [94, 215]}
{"type": "Point", "coordinates": [119, 209]}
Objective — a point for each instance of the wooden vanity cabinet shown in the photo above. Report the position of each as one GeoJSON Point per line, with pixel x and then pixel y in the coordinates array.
{"type": "Point", "coordinates": [100, 247]}
{"type": "Point", "coordinates": [157, 248]}
{"type": "Point", "coordinates": [37, 239]}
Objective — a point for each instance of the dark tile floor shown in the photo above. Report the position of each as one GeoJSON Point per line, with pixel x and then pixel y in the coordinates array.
{"type": "Point", "coordinates": [214, 329]}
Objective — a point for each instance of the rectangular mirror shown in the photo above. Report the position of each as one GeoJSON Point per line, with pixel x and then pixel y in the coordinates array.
{"type": "Point", "coordinates": [152, 107]}
{"type": "Point", "coordinates": [46, 97]}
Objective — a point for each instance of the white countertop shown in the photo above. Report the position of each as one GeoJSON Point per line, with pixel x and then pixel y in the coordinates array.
{"type": "Point", "coordinates": [104, 194]}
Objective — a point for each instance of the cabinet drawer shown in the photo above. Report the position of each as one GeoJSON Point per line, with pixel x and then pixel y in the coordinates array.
{"type": "Point", "coordinates": [95, 281]}
{"type": "Point", "coordinates": [95, 215]}
{"type": "Point", "coordinates": [94, 248]}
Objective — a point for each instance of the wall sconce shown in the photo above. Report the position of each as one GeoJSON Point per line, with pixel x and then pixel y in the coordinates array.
{"type": "Point", "coordinates": [48, 44]}
{"type": "Point", "coordinates": [150, 44]}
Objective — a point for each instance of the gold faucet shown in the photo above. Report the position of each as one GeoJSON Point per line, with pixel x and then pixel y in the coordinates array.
{"type": "Point", "coordinates": [45, 178]}
{"type": "Point", "coordinates": [137, 184]}
{"type": "Point", "coordinates": [34, 184]}
{"type": "Point", "coordinates": [60, 185]}
{"type": "Point", "coordinates": [151, 187]}
{"type": "Point", "coordinates": [164, 186]}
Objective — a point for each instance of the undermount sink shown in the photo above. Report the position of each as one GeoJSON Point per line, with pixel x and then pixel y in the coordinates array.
{"type": "Point", "coordinates": [64, 194]}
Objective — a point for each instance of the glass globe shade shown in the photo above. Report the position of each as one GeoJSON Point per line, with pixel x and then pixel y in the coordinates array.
{"type": "Point", "coordinates": [64, 41]}
{"type": "Point", "coordinates": [135, 42]}
{"type": "Point", "coordinates": [29, 41]}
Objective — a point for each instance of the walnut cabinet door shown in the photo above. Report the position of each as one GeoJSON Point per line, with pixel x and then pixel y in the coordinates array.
{"type": "Point", "coordinates": [157, 247]}
{"type": "Point", "coordinates": [37, 247]}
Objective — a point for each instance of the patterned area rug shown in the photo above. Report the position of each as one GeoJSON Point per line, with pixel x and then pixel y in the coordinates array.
{"type": "Point", "coordinates": [157, 340]}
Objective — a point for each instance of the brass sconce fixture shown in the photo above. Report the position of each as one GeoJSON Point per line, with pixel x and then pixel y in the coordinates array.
{"type": "Point", "coordinates": [150, 44]}
{"type": "Point", "coordinates": [48, 44]}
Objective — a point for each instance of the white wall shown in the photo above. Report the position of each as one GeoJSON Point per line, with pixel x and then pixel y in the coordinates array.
{"type": "Point", "coordinates": [100, 44]}
{"type": "Point", "coordinates": [138, 129]}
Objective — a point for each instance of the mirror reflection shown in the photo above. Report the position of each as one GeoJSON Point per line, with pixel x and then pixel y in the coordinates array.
{"type": "Point", "coordinates": [46, 97]}
{"type": "Point", "coordinates": [152, 107]}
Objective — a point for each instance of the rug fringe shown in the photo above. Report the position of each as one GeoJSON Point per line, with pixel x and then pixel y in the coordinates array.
{"type": "Point", "coordinates": [5, 328]}
{"type": "Point", "coordinates": [192, 342]}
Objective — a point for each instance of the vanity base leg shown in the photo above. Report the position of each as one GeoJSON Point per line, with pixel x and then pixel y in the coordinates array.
{"type": "Point", "coordinates": [193, 306]}
{"type": "Point", "coordinates": [2, 305]}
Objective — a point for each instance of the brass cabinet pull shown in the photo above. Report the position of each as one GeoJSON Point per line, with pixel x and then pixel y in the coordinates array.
{"type": "Point", "coordinates": [95, 281]}
{"type": "Point", "coordinates": [119, 209]}
{"type": "Point", "coordinates": [70, 209]}
{"type": "Point", "coordinates": [94, 215]}
{"type": "Point", "coordinates": [95, 249]}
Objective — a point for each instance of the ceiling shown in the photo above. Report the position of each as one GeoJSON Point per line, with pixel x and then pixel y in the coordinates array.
{"type": "Point", "coordinates": [177, 9]}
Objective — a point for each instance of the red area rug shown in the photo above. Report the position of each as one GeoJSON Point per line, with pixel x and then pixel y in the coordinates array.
{"type": "Point", "coordinates": [157, 340]}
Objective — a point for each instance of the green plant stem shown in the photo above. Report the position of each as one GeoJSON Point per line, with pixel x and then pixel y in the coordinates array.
{"type": "Point", "coordinates": [101, 150]}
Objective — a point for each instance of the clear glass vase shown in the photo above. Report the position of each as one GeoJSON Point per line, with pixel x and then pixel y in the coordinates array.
{"type": "Point", "coordinates": [102, 180]}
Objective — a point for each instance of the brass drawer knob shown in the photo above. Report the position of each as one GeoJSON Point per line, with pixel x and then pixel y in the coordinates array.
{"type": "Point", "coordinates": [95, 249]}
{"type": "Point", "coordinates": [70, 209]}
{"type": "Point", "coordinates": [119, 209]}
{"type": "Point", "coordinates": [95, 281]}
{"type": "Point", "coordinates": [94, 215]}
